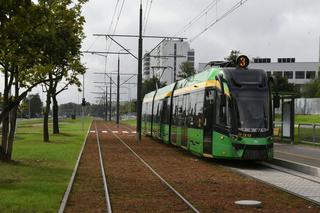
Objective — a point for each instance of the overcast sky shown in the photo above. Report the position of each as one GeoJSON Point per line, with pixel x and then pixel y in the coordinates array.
{"type": "Point", "coordinates": [273, 28]}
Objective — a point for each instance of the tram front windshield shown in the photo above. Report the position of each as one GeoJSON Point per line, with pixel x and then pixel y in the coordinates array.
{"type": "Point", "coordinates": [252, 110]}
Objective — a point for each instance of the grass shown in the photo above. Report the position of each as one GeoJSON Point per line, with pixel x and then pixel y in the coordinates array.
{"type": "Point", "coordinates": [302, 118]}
{"type": "Point", "coordinates": [131, 122]}
{"type": "Point", "coordinates": [37, 178]}
{"type": "Point", "coordinates": [306, 133]}
{"type": "Point", "coordinates": [307, 119]}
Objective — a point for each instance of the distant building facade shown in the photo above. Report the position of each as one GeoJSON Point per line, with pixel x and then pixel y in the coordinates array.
{"type": "Point", "coordinates": [166, 59]}
{"type": "Point", "coordinates": [295, 72]}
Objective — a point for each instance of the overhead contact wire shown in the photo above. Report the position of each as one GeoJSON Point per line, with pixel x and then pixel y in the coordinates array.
{"type": "Point", "coordinates": [197, 17]}
{"type": "Point", "coordinates": [231, 10]}
{"type": "Point", "coordinates": [147, 19]}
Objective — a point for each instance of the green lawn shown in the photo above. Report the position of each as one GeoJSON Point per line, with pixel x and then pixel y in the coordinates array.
{"type": "Point", "coordinates": [307, 119]}
{"type": "Point", "coordinates": [39, 175]}
{"type": "Point", "coordinates": [303, 118]}
{"type": "Point", "coordinates": [131, 122]}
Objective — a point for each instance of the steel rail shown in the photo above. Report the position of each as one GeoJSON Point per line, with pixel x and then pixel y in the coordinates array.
{"type": "Point", "coordinates": [107, 196]}
{"type": "Point", "coordinates": [154, 172]}
{"type": "Point", "coordinates": [72, 178]}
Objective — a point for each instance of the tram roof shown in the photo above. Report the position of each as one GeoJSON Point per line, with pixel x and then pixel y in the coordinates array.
{"type": "Point", "coordinates": [201, 77]}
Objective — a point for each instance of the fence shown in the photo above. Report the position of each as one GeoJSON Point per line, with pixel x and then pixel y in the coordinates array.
{"type": "Point", "coordinates": [307, 106]}
{"type": "Point", "coordinates": [309, 133]}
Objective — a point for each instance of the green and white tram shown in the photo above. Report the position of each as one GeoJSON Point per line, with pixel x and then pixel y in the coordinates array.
{"type": "Point", "coordinates": [222, 112]}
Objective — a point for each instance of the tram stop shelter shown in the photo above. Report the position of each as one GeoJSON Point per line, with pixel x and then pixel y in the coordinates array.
{"type": "Point", "coordinates": [285, 128]}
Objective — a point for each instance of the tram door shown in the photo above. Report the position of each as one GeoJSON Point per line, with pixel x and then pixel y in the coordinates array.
{"type": "Point", "coordinates": [184, 118]}
{"type": "Point", "coordinates": [208, 121]}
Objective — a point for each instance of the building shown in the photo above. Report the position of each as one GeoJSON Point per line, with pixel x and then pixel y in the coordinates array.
{"type": "Point", "coordinates": [295, 72]}
{"type": "Point", "coordinates": [164, 61]}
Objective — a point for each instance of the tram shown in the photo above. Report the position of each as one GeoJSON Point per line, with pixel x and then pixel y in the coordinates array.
{"type": "Point", "coordinates": [222, 112]}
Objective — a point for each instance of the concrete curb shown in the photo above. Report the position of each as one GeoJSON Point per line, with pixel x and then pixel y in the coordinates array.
{"type": "Point", "coordinates": [300, 167]}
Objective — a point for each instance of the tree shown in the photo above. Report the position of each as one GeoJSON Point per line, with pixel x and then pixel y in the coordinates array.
{"type": "Point", "coordinates": [21, 61]}
{"type": "Point", "coordinates": [27, 55]}
{"type": "Point", "coordinates": [35, 107]}
{"type": "Point", "coordinates": [312, 89]}
{"type": "Point", "coordinates": [66, 27]}
{"type": "Point", "coordinates": [187, 70]}
{"type": "Point", "coordinates": [284, 86]}
{"type": "Point", "coordinates": [234, 54]}
{"type": "Point", "coordinates": [150, 85]}
{"type": "Point", "coordinates": [127, 107]}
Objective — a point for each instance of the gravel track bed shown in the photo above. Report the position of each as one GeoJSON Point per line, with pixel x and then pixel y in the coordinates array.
{"type": "Point", "coordinates": [87, 194]}
{"type": "Point", "coordinates": [208, 185]}
{"type": "Point", "coordinates": [132, 187]}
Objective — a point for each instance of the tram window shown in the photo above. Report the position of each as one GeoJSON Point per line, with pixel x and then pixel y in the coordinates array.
{"type": "Point", "coordinates": [174, 110]}
{"type": "Point", "coordinates": [147, 112]}
{"type": "Point", "coordinates": [209, 108]}
{"type": "Point", "coordinates": [210, 96]}
{"type": "Point", "coordinates": [164, 112]}
{"type": "Point", "coordinates": [222, 112]}
{"type": "Point", "coordinates": [199, 108]}
{"type": "Point", "coordinates": [157, 111]}
{"type": "Point", "coordinates": [196, 109]}
{"type": "Point", "coordinates": [153, 111]}
{"type": "Point", "coordinates": [185, 104]}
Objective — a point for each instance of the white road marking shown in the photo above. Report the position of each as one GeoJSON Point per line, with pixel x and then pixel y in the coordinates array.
{"type": "Point", "coordinates": [92, 131]}
{"type": "Point", "coordinates": [115, 131]}
{"type": "Point", "coordinates": [133, 132]}
{"type": "Point", "coordinates": [125, 132]}
{"type": "Point", "coordinates": [104, 131]}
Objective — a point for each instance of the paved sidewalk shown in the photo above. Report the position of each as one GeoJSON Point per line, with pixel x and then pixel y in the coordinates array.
{"type": "Point", "coordinates": [294, 184]}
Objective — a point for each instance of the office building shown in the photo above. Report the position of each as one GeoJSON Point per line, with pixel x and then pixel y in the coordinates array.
{"type": "Point", "coordinates": [164, 62]}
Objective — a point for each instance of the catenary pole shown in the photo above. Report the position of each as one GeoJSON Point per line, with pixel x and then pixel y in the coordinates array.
{"type": "Point", "coordinates": [106, 118]}
{"type": "Point", "coordinates": [110, 96]}
{"type": "Point", "coordinates": [139, 98]}
{"type": "Point", "coordinates": [118, 90]}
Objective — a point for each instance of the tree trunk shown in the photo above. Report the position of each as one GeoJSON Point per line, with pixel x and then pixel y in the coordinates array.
{"type": "Point", "coordinates": [9, 120]}
{"type": "Point", "coordinates": [5, 121]}
{"type": "Point", "coordinates": [46, 119]}
{"type": "Point", "coordinates": [4, 142]}
{"type": "Point", "coordinates": [13, 122]}
{"type": "Point", "coordinates": [55, 115]}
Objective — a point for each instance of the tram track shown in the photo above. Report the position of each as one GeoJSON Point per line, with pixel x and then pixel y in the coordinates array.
{"type": "Point", "coordinates": [119, 166]}
{"type": "Point", "coordinates": [64, 207]}
{"type": "Point", "coordinates": [107, 196]}
{"type": "Point", "coordinates": [166, 183]}
{"type": "Point", "coordinates": [308, 189]}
